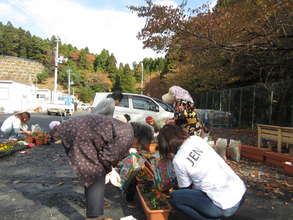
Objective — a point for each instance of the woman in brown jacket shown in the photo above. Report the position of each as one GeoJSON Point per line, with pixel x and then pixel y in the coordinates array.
{"type": "Point", "coordinates": [94, 144]}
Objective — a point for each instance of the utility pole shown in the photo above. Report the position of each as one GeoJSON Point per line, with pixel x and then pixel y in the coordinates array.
{"type": "Point", "coordinates": [69, 82]}
{"type": "Point", "coordinates": [141, 84]}
{"type": "Point", "coordinates": [58, 59]}
{"type": "Point", "coordinates": [56, 69]}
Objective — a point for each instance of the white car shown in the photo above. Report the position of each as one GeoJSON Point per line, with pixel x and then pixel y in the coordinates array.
{"type": "Point", "coordinates": [137, 106]}
{"type": "Point", "coordinates": [83, 107]}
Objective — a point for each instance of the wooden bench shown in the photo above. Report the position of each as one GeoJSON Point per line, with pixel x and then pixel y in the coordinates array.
{"type": "Point", "coordinates": [276, 133]}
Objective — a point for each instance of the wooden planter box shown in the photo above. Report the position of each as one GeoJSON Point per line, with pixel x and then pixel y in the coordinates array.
{"type": "Point", "coordinates": [151, 214]}
{"type": "Point", "coordinates": [288, 169]}
{"type": "Point", "coordinates": [29, 139]}
{"type": "Point", "coordinates": [253, 153]}
{"type": "Point", "coordinates": [38, 140]}
{"type": "Point", "coordinates": [277, 159]}
{"type": "Point", "coordinates": [41, 141]}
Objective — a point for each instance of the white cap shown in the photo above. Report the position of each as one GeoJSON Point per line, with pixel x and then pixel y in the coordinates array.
{"type": "Point", "coordinates": [53, 124]}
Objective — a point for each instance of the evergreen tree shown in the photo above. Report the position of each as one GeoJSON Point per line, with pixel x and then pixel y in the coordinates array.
{"type": "Point", "coordinates": [82, 60]}
{"type": "Point", "coordinates": [127, 80]}
{"type": "Point", "coordinates": [111, 64]}
{"type": "Point", "coordinates": [117, 86]}
{"type": "Point", "coordinates": [9, 40]}
{"type": "Point", "coordinates": [100, 62]}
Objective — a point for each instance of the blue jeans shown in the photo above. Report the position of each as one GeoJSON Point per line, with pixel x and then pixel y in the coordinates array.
{"type": "Point", "coordinates": [198, 205]}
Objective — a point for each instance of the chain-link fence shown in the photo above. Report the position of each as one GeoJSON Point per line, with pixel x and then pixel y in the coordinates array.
{"type": "Point", "coordinates": [253, 104]}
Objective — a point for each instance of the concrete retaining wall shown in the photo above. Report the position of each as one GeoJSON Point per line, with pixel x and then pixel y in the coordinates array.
{"type": "Point", "coordinates": [19, 69]}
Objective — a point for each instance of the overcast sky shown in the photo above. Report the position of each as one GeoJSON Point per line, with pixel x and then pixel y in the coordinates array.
{"type": "Point", "coordinates": [96, 24]}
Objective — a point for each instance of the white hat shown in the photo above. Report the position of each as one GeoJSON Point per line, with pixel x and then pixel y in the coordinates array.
{"type": "Point", "coordinates": [53, 124]}
{"type": "Point", "coordinates": [168, 97]}
{"type": "Point", "coordinates": [176, 93]}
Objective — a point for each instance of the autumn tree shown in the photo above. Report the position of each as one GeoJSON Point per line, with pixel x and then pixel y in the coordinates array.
{"type": "Point", "coordinates": [239, 43]}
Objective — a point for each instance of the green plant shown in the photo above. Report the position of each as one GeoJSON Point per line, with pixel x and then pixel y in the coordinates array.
{"type": "Point", "coordinates": [41, 77]}
{"type": "Point", "coordinates": [155, 199]}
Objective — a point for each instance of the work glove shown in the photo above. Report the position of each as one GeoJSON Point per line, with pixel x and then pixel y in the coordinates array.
{"type": "Point", "coordinates": [114, 178]}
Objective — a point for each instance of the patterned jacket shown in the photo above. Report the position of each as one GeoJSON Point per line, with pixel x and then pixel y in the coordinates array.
{"type": "Point", "coordinates": [94, 143]}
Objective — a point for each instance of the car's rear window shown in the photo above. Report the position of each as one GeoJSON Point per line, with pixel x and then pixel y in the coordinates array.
{"type": "Point", "coordinates": [143, 104]}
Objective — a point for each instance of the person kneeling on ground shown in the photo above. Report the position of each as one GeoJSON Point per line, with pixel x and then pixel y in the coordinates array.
{"type": "Point", "coordinates": [94, 144]}
{"type": "Point", "coordinates": [16, 126]}
{"type": "Point", "coordinates": [209, 188]}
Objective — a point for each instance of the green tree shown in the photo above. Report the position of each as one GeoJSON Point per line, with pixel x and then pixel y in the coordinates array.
{"type": "Point", "coordinates": [117, 86]}
{"type": "Point", "coordinates": [41, 77]}
{"type": "Point", "coordinates": [86, 94]}
{"type": "Point", "coordinates": [111, 64]}
{"type": "Point", "coordinates": [127, 80]}
{"type": "Point", "coordinates": [83, 64]}
{"type": "Point", "coordinates": [100, 62]}
{"type": "Point", "coordinates": [9, 40]}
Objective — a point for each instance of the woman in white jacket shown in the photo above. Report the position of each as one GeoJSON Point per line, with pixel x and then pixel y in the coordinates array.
{"type": "Point", "coordinates": [15, 126]}
{"type": "Point", "coordinates": [208, 187]}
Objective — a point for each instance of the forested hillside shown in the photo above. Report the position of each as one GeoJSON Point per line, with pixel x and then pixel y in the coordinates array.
{"type": "Point", "coordinates": [237, 43]}
{"type": "Point", "coordinates": [90, 72]}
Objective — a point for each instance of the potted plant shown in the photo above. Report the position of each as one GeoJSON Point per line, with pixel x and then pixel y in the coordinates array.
{"type": "Point", "coordinates": [9, 147]}
{"type": "Point", "coordinates": [154, 202]}
{"type": "Point", "coordinates": [5, 147]}
{"type": "Point", "coordinates": [29, 139]}
{"type": "Point", "coordinates": [40, 138]}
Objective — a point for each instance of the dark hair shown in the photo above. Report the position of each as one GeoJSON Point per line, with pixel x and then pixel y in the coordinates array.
{"type": "Point", "coordinates": [143, 133]}
{"type": "Point", "coordinates": [23, 116]}
{"type": "Point", "coordinates": [116, 95]}
{"type": "Point", "coordinates": [170, 138]}
{"type": "Point", "coordinates": [127, 116]}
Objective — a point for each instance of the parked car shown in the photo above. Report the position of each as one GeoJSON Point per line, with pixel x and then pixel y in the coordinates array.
{"type": "Point", "coordinates": [62, 106]}
{"type": "Point", "coordinates": [83, 107]}
{"type": "Point", "coordinates": [216, 118]}
{"type": "Point", "coordinates": [167, 107]}
{"type": "Point", "coordinates": [137, 106]}
{"type": "Point", "coordinates": [60, 109]}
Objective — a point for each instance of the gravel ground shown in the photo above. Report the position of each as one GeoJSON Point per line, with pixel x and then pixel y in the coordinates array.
{"type": "Point", "coordinates": [41, 185]}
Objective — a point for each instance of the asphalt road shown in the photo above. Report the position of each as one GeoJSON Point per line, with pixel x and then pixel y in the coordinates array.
{"type": "Point", "coordinates": [40, 185]}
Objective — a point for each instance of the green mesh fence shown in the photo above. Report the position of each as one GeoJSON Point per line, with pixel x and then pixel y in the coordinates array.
{"type": "Point", "coordinates": [250, 105]}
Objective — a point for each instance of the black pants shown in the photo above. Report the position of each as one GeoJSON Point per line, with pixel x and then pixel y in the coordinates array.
{"type": "Point", "coordinates": [130, 190]}
{"type": "Point", "coordinates": [94, 196]}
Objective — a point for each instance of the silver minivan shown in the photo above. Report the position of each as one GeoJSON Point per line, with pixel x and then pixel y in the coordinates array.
{"type": "Point", "coordinates": [137, 106]}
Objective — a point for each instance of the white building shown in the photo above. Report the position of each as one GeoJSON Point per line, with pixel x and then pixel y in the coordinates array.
{"type": "Point", "coordinates": [16, 97]}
